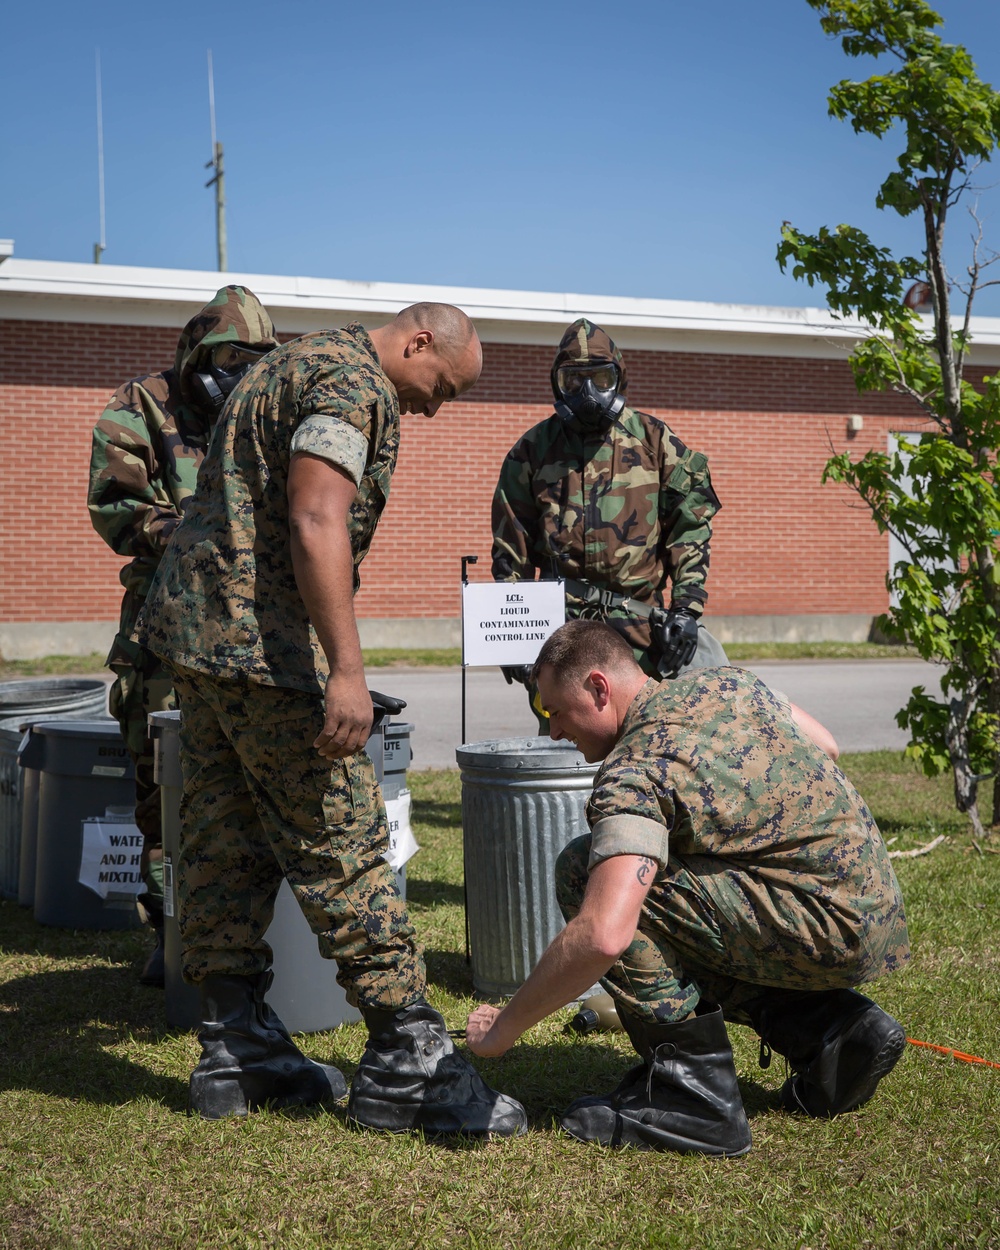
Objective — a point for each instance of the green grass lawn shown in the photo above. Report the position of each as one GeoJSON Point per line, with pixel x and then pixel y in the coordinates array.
{"type": "Point", "coordinates": [96, 1151]}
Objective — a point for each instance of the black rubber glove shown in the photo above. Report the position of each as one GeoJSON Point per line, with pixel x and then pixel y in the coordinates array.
{"type": "Point", "coordinates": [520, 673]}
{"type": "Point", "coordinates": [677, 638]}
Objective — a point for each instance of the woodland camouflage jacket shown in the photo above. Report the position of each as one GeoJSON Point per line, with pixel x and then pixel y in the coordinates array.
{"type": "Point", "coordinates": [150, 441]}
{"type": "Point", "coordinates": [624, 508]}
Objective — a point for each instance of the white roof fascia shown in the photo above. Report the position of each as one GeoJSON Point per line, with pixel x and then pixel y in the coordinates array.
{"type": "Point", "coordinates": [126, 295]}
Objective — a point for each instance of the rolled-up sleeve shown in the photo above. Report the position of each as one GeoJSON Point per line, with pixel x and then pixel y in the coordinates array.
{"type": "Point", "coordinates": [626, 815]}
{"type": "Point", "coordinates": [627, 834]}
{"type": "Point", "coordinates": [334, 440]}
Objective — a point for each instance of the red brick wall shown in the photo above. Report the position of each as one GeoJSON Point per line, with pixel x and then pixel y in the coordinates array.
{"type": "Point", "coordinates": [783, 543]}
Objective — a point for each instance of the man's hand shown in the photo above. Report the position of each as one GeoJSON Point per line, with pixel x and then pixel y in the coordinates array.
{"type": "Point", "coordinates": [477, 1033]}
{"type": "Point", "coordinates": [516, 673]}
{"type": "Point", "coordinates": [676, 638]}
{"type": "Point", "coordinates": [349, 716]}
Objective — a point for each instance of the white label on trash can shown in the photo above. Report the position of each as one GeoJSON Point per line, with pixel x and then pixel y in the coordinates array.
{"type": "Point", "coordinates": [111, 856]}
{"type": "Point", "coordinates": [102, 770]}
{"type": "Point", "coordinates": [402, 843]}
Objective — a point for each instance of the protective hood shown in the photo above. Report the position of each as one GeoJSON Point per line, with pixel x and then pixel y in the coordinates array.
{"type": "Point", "coordinates": [587, 344]}
{"type": "Point", "coordinates": [236, 315]}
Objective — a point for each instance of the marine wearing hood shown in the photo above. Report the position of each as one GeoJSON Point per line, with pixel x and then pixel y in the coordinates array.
{"type": "Point", "coordinates": [150, 441]}
{"type": "Point", "coordinates": [589, 378]}
{"type": "Point", "coordinates": [236, 316]}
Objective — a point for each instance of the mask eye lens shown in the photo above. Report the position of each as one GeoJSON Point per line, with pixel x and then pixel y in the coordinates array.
{"type": "Point", "coordinates": [228, 356]}
{"type": "Point", "coordinates": [571, 381]}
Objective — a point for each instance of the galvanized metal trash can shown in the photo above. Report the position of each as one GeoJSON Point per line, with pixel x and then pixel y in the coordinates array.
{"type": "Point", "coordinates": [304, 993]}
{"type": "Point", "coordinates": [48, 697]}
{"type": "Point", "coordinates": [86, 793]}
{"type": "Point", "coordinates": [523, 800]}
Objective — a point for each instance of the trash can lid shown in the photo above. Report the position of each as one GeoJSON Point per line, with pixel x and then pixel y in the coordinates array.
{"type": "Point", "coordinates": [77, 728]}
{"type": "Point", "coordinates": [48, 689]}
{"type": "Point", "coordinates": [529, 753]}
{"type": "Point", "coordinates": [164, 718]}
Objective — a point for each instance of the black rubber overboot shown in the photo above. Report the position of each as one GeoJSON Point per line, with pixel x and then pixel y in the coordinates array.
{"type": "Point", "coordinates": [838, 1044]}
{"type": "Point", "coordinates": [684, 1097]}
{"type": "Point", "coordinates": [411, 1077]}
{"type": "Point", "coordinates": [155, 971]}
{"type": "Point", "coordinates": [247, 1056]}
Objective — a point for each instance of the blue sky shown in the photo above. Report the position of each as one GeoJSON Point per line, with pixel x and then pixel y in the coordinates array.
{"type": "Point", "coordinates": [642, 148]}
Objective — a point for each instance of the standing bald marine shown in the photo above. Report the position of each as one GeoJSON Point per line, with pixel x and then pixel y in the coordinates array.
{"type": "Point", "coordinates": [252, 611]}
{"type": "Point", "coordinates": [147, 449]}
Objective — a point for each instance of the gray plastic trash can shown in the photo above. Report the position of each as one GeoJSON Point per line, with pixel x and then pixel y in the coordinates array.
{"type": "Point", "coordinates": [305, 993]}
{"type": "Point", "coordinates": [398, 755]}
{"type": "Point", "coordinates": [24, 835]}
{"type": "Point", "coordinates": [11, 802]}
{"type": "Point", "coordinates": [523, 799]}
{"type": "Point", "coordinates": [86, 780]}
{"type": "Point", "coordinates": [49, 697]}
{"type": "Point", "coordinates": [29, 759]}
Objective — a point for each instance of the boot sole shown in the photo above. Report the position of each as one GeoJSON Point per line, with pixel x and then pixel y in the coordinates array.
{"type": "Point", "coordinates": [359, 1126]}
{"type": "Point", "coordinates": [678, 1145]}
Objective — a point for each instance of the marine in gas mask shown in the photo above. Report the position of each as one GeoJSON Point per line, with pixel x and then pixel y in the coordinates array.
{"type": "Point", "coordinates": [611, 500]}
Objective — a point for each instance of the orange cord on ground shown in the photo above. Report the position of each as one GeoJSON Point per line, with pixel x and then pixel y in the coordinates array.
{"type": "Point", "coordinates": [956, 1054]}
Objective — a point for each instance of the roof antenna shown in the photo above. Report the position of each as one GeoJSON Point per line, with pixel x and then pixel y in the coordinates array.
{"type": "Point", "coordinates": [101, 247]}
{"type": "Point", "coordinates": [219, 178]}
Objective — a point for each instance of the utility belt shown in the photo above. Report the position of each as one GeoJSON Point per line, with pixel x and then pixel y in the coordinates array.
{"type": "Point", "coordinates": [601, 600]}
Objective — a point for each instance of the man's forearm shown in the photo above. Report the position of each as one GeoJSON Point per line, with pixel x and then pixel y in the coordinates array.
{"type": "Point", "coordinates": [569, 966]}
{"type": "Point", "coordinates": [324, 573]}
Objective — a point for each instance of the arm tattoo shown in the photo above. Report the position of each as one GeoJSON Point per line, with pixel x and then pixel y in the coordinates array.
{"type": "Point", "coordinates": [646, 870]}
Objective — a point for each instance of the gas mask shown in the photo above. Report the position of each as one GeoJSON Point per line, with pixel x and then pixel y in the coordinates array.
{"type": "Point", "coordinates": [228, 363]}
{"type": "Point", "coordinates": [588, 392]}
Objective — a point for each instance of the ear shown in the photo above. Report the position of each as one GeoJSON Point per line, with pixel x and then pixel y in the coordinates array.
{"type": "Point", "coordinates": [419, 342]}
{"type": "Point", "coordinates": [600, 688]}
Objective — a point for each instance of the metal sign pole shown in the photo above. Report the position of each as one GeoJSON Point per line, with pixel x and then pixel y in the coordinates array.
{"type": "Point", "coordinates": [466, 561]}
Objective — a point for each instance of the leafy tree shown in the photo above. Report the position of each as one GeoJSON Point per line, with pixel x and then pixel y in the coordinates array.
{"type": "Point", "coordinates": [946, 593]}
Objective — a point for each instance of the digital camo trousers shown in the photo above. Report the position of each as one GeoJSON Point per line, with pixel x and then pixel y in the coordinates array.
{"type": "Point", "coordinates": [696, 940]}
{"type": "Point", "coordinates": [260, 805]}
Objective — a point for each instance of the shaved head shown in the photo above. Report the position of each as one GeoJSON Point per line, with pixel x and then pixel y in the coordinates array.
{"type": "Point", "coordinates": [430, 353]}
{"type": "Point", "coordinates": [453, 331]}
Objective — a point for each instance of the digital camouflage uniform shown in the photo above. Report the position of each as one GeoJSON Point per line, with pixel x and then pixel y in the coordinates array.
{"type": "Point", "coordinates": [147, 449]}
{"type": "Point", "coordinates": [769, 868]}
{"type": "Point", "coordinates": [226, 614]}
{"type": "Point", "coordinates": [626, 507]}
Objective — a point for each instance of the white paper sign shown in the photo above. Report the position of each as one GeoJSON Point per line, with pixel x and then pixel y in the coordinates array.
{"type": "Point", "coordinates": [109, 862]}
{"type": "Point", "coordinates": [402, 843]}
{"type": "Point", "coordinates": [507, 622]}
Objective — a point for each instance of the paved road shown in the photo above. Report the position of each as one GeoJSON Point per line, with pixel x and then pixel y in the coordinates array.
{"type": "Point", "coordinates": [856, 700]}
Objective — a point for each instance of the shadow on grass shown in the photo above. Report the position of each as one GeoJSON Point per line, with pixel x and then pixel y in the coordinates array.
{"type": "Point", "coordinates": [21, 934]}
{"type": "Point", "coordinates": [430, 893]}
{"type": "Point", "coordinates": [449, 972]}
{"type": "Point", "coordinates": [437, 815]}
{"type": "Point", "coordinates": [60, 1027]}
